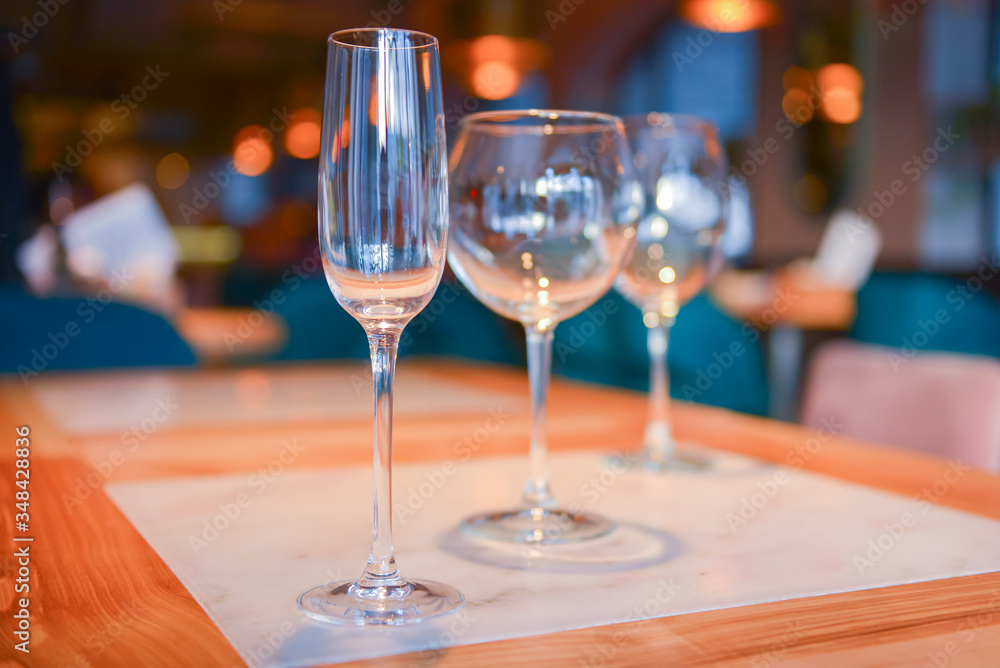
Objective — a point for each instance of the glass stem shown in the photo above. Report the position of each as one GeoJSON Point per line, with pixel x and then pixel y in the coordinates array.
{"type": "Point", "coordinates": [537, 492]}
{"type": "Point", "coordinates": [658, 439]}
{"type": "Point", "coordinates": [381, 570]}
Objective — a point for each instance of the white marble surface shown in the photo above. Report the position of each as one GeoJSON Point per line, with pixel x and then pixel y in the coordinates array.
{"type": "Point", "coordinates": [90, 404]}
{"type": "Point", "coordinates": [675, 550]}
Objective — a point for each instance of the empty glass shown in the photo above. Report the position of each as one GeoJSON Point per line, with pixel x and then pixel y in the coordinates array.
{"type": "Point", "coordinates": [543, 211]}
{"type": "Point", "coordinates": [383, 224]}
{"type": "Point", "coordinates": [682, 168]}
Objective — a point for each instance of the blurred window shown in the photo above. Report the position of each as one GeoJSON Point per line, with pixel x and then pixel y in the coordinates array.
{"type": "Point", "coordinates": [690, 70]}
{"type": "Point", "coordinates": [958, 37]}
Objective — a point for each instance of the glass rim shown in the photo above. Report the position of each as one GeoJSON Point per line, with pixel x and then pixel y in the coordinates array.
{"type": "Point", "coordinates": [512, 121]}
{"type": "Point", "coordinates": [336, 38]}
{"type": "Point", "coordinates": [675, 120]}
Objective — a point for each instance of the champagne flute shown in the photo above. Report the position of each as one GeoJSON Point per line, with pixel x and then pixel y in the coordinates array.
{"type": "Point", "coordinates": [383, 225]}
{"type": "Point", "coordinates": [543, 210]}
{"type": "Point", "coordinates": [682, 168]}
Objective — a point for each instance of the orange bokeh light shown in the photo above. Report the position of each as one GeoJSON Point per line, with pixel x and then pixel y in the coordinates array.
{"type": "Point", "coordinates": [841, 105]}
{"type": "Point", "coordinates": [730, 15]}
{"type": "Point", "coordinates": [172, 171]}
{"type": "Point", "coordinates": [303, 137]}
{"type": "Point", "coordinates": [495, 80]}
{"type": "Point", "coordinates": [252, 154]}
{"type": "Point", "coordinates": [493, 47]}
{"type": "Point", "coordinates": [840, 75]}
{"type": "Point", "coordinates": [796, 77]}
{"type": "Point", "coordinates": [840, 86]}
{"type": "Point", "coordinates": [797, 105]}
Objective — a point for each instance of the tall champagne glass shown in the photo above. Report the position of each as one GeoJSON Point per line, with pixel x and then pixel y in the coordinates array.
{"type": "Point", "coordinates": [682, 167]}
{"type": "Point", "coordinates": [383, 225]}
{"type": "Point", "coordinates": [543, 210]}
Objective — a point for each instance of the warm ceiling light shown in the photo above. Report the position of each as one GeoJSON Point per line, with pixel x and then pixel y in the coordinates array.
{"type": "Point", "coordinates": [172, 171]}
{"type": "Point", "coordinates": [796, 77]}
{"type": "Point", "coordinates": [840, 75]}
{"type": "Point", "coordinates": [494, 65]}
{"type": "Point", "coordinates": [495, 80]}
{"type": "Point", "coordinates": [252, 154]}
{"type": "Point", "coordinates": [797, 105]}
{"type": "Point", "coordinates": [841, 106]}
{"type": "Point", "coordinates": [493, 47]}
{"type": "Point", "coordinates": [303, 136]}
{"type": "Point", "coordinates": [840, 87]}
{"type": "Point", "coordinates": [730, 15]}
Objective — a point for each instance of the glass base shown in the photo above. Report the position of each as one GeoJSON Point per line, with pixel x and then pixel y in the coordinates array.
{"type": "Point", "coordinates": [537, 526]}
{"type": "Point", "coordinates": [347, 602]}
{"type": "Point", "coordinates": [678, 462]}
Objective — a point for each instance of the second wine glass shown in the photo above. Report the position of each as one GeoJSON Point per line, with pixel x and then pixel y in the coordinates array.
{"type": "Point", "coordinates": [543, 211]}
{"type": "Point", "coordinates": [681, 165]}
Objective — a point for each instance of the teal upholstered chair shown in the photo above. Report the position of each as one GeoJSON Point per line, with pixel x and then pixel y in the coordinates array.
{"type": "Point", "coordinates": [928, 312]}
{"type": "Point", "coordinates": [607, 344]}
{"type": "Point", "coordinates": [453, 323]}
{"type": "Point", "coordinates": [41, 335]}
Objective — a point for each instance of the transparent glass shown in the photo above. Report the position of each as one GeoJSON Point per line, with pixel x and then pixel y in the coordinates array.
{"type": "Point", "coordinates": [543, 211]}
{"type": "Point", "coordinates": [682, 168]}
{"type": "Point", "coordinates": [383, 225]}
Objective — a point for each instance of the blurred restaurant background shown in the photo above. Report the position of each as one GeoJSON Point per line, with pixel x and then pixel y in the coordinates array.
{"type": "Point", "coordinates": [158, 184]}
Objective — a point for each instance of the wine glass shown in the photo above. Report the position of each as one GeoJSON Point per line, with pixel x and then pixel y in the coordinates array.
{"type": "Point", "coordinates": [543, 210]}
{"type": "Point", "coordinates": [383, 225]}
{"type": "Point", "coordinates": [681, 165]}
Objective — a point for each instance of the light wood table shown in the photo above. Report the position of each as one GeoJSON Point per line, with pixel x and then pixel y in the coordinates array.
{"type": "Point", "coordinates": [101, 595]}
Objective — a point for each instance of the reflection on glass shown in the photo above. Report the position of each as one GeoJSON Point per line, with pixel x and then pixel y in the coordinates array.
{"type": "Point", "coordinates": [680, 163]}
{"type": "Point", "coordinates": [383, 228]}
{"type": "Point", "coordinates": [543, 208]}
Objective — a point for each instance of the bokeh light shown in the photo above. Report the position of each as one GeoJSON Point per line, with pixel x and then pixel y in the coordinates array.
{"type": "Point", "coordinates": [810, 193]}
{"type": "Point", "coordinates": [840, 88]}
{"type": "Point", "coordinates": [252, 154]}
{"type": "Point", "coordinates": [495, 80]}
{"type": "Point", "coordinates": [797, 105]}
{"type": "Point", "coordinates": [172, 171]}
{"type": "Point", "coordinates": [302, 139]}
{"type": "Point", "coordinates": [730, 15]}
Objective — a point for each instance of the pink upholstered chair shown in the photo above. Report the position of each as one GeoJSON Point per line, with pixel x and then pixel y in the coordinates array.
{"type": "Point", "coordinates": [940, 403]}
